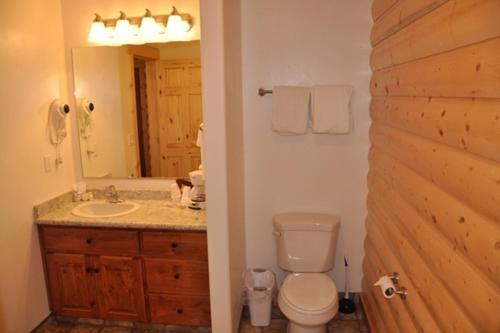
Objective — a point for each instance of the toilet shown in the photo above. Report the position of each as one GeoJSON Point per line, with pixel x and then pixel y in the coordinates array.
{"type": "Point", "coordinates": [306, 245]}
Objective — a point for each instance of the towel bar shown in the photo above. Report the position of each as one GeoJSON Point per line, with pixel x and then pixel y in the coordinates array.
{"type": "Point", "coordinates": [263, 92]}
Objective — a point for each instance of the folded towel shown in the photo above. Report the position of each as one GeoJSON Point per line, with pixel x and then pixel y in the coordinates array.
{"type": "Point", "coordinates": [330, 109]}
{"type": "Point", "coordinates": [199, 143]}
{"type": "Point", "coordinates": [290, 109]}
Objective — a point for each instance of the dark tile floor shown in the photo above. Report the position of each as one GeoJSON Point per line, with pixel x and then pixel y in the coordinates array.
{"type": "Point", "coordinates": [67, 325]}
{"type": "Point", "coordinates": [342, 323]}
{"type": "Point", "coordinates": [279, 326]}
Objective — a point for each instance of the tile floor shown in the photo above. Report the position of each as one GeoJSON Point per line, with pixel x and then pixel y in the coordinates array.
{"type": "Point", "coordinates": [342, 323]}
{"type": "Point", "coordinates": [67, 325]}
{"type": "Point", "coordinates": [352, 323]}
{"type": "Point", "coordinates": [279, 326]}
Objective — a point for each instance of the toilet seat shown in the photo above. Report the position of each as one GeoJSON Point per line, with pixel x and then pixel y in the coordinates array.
{"type": "Point", "coordinates": [309, 292]}
{"type": "Point", "coordinates": [308, 299]}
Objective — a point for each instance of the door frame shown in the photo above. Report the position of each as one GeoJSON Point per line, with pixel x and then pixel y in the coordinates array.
{"type": "Point", "coordinates": [147, 53]}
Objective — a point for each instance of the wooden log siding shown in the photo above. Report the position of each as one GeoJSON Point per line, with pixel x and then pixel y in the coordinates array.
{"type": "Point", "coordinates": [381, 7]}
{"type": "Point", "coordinates": [434, 180]}
{"type": "Point", "coordinates": [448, 27]}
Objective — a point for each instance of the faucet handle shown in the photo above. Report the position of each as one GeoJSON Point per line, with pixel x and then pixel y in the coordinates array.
{"type": "Point", "coordinates": [110, 191]}
{"type": "Point", "coordinates": [112, 194]}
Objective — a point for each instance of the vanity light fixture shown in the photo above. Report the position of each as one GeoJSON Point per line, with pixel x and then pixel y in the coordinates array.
{"type": "Point", "coordinates": [140, 30]}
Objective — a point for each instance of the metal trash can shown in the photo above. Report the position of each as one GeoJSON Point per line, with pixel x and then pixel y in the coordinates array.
{"type": "Point", "coordinates": [259, 285]}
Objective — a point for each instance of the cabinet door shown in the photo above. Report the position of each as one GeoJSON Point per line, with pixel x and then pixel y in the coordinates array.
{"type": "Point", "coordinates": [121, 290]}
{"type": "Point", "coordinates": [72, 288]}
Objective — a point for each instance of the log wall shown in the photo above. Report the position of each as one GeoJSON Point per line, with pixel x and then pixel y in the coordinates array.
{"type": "Point", "coordinates": [434, 180]}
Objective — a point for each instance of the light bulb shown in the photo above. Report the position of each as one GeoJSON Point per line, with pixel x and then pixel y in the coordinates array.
{"type": "Point", "coordinates": [149, 28]}
{"type": "Point", "coordinates": [123, 32]}
{"type": "Point", "coordinates": [186, 26]}
{"type": "Point", "coordinates": [176, 26]}
{"type": "Point", "coordinates": [97, 33]}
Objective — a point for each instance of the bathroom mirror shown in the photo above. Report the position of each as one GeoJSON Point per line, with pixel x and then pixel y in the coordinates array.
{"type": "Point", "coordinates": [139, 109]}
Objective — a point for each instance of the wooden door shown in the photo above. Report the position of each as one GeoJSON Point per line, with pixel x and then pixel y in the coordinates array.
{"type": "Point", "coordinates": [179, 115]}
{"type": "Point", "coordinates": [121, 293]}
{"type": "Point", "coordinates": [72, 286]}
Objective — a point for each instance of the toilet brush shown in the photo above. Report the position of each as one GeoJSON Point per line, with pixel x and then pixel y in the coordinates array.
{"type": "Point", "coordinates": [346, 305]}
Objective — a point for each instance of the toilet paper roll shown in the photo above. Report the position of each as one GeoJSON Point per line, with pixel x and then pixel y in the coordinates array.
{"type": "Point", "coordinates": [386, 286]}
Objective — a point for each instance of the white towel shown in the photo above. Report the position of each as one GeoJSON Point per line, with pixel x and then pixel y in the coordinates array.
{"type": "Point", "coordinates": [290, 109]}
{"type": "Point", "coordinates": [199, 143]}
{"type": "Point", "coordinates": [330, 109]}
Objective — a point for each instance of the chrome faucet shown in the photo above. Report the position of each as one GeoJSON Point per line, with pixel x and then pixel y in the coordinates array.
{"type": "Point", "coordinates": [111, 194]}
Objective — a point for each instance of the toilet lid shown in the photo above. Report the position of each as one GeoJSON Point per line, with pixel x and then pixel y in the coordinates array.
{"type": "Point", "coordinates": [309, 291]}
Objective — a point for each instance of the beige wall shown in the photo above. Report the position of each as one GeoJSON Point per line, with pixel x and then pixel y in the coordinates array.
{"type": "Point", "coordinates": [223, 156]}
{"type": "Point", "coordinates": [292, 43]}
{"type": "Point", "coordinates": [32, 67]}
{"type": "Point", "coordinates": [180, 50]}
{"type": "Point", "coordinates": [234, 151]}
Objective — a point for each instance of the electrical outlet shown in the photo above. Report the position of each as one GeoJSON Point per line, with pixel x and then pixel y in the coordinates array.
{"type": "Point", "coordinates": [48, 161]}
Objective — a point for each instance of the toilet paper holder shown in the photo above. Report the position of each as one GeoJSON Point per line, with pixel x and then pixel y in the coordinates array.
{"type": "Point", "coordinates": [394, 277]}
{"type": "Point", "coordinates": [402, 292]}
{"type": "Point", "coordinates": [390, 289]}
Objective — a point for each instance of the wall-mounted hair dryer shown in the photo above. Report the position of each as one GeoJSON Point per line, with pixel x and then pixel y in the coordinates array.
{"type": "Point", "coordinates": [58, 111]}
{"type": "Point", "coordinates": [87, 105]}
{"type": "Point", "coordinates": [86, 122]}
{"type": "Point", "coordinates": [86, 118]}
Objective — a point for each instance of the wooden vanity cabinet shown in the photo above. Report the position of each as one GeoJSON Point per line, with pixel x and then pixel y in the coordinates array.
{"type": "Point", "coordinates": [133, 275]}
{"type": "Point", "coordinates": [94, 273]}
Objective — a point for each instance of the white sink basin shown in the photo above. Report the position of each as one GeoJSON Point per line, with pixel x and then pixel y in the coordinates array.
{"type": "Point", "coordinates": [104, 209]}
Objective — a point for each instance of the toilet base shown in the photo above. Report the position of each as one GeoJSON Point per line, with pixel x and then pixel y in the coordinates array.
{"type": "Point", "coordinates": [297, 328]}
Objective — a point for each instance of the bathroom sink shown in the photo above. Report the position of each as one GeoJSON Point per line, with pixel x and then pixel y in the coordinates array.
{"type": "Point", "coordinates": [105, 209]}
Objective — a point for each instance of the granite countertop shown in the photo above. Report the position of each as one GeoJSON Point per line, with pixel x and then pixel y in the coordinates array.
{"type": "Point", "coordinates": [155, 212]}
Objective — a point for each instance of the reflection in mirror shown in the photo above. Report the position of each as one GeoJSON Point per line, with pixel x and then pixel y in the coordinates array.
{"type": "Point", "coordinates": [139, 109]}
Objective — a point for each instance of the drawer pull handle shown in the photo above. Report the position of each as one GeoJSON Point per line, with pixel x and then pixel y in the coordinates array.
{"type": "Point", "coordinates": [88, 270]}
{"type": "Point", "coordinates": [96, 270]}
{"type": "Point", "coordinates": [179, 311]}
{"type": "Point", "coordinates": [174, 245]}
{"type": "Point", "coordinates": [88, 241]}
{"type": "Point", "coordinates": [177, 276]}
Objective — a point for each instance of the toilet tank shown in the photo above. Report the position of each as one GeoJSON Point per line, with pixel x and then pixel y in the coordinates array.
{"type": "Point", "coordinates": [306, 242]}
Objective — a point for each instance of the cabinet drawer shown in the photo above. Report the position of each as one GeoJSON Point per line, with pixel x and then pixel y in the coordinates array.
{"type": "Point", "coordinates": [91, 240]}
{"type": "Point", "coordinates": [178, 245]}
{"type": "Point", "coordinates": [177, 276]}
{"type": "Point", "coordinates": [180, 310]}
